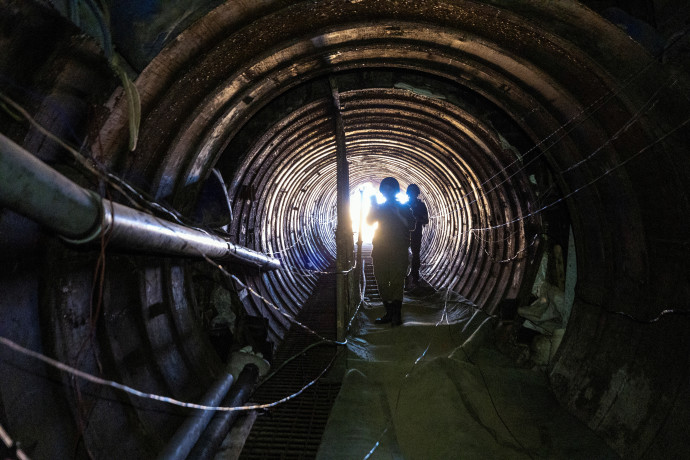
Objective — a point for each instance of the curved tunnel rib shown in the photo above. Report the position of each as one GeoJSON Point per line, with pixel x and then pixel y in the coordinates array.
{"type": "Point", "coordinates": [515, 118]}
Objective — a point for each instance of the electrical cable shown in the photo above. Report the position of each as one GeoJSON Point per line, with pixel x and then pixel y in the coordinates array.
{"type": "Point", "coordinates": [615, 136]}
{"type": "Point", "coordinates": [516, 255]}
{"type": "Point", "coordinates": [624, 128]}
{"type": "Point", "coordinates": [140, 394]}
{"type": "Point", "coordinates": [599, 102]}
{"type": "Point", "coordinates": [120, 188]}
{"type": "Point", "coordinates": [596, 179]}
{"type": "Point", "coordinates": [269, 303]}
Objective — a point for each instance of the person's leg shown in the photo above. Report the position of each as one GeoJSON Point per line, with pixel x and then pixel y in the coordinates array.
{"type": "Point", "coordinates": [415, 246]}
{"type": "Point", "coordinates": [388, 316]}
{"type": "Point", "coordinates": [382, 273]}
{"type": "Point", "coordinates": [397, 286]}
{"type": "Point", "coordinates": [396, 313]}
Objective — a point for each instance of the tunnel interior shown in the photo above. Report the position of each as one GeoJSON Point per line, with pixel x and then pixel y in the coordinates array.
{"type": "Point", "coordinates": [523, 123]}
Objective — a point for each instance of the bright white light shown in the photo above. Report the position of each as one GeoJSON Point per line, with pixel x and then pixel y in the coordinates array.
{"type": "Point", "coordinates": [363, 201]}
{"type": "Point", "coordinates": [368, 190]}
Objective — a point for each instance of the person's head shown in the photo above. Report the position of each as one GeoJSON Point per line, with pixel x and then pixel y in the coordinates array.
{"type": "Point", "coordinates": [389, 187]}
{"type": "Point", "coordinates": [413, 191]}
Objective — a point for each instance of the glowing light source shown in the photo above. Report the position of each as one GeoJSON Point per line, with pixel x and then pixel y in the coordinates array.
{"type": "Point", "coordinates": [361, 200]}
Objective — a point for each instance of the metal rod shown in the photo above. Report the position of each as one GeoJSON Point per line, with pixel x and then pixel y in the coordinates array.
{"type": "Point", "coordinates": [188, 433]}
{"type": "Point", "coordinates": [134, 229]}
{"type": "Point", "coordinates": [217, 430]}
{"type": "Point", "coordinates": [31, 188]}
{"type": "Point", "coordinates": [344, 229]}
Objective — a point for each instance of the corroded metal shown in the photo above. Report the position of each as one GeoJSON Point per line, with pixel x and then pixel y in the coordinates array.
{"type": "Point", "coordinates": [243, 90]}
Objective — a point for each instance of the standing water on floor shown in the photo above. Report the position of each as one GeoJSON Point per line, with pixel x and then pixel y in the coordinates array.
{"type": "Point", "coordinates": [436, 388]}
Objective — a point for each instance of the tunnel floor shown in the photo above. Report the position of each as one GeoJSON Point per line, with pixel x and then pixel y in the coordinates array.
{"type": "Point", "coordinates": [435, 387]}
{"type": "Point", "coordinates": [294, 429]}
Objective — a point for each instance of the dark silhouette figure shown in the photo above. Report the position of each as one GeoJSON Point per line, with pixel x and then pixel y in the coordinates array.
{"type": "Point", "coordinates": [421, 216]}
{"type": "Point", "coordinates": [390, 243]}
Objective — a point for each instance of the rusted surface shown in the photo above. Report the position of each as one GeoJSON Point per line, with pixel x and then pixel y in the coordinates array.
{"type": "Point", "coordinates": [241, 89]}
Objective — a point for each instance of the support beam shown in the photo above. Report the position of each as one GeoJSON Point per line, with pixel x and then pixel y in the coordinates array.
{"type": "Point", "coordinates": [344, 230]}
{"type": "Point", "coordinates": [35, 190]}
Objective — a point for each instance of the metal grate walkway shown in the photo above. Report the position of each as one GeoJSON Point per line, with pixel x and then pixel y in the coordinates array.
{"type": "Point", "coordinates": [293, 430]}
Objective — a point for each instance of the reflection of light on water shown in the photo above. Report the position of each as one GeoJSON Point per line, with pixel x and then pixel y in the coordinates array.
{"type": "Point", "coordinates": [364, 202]}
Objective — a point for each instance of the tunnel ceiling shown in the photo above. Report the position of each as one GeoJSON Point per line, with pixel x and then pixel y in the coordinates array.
{"type": "Point", "coordinates": [517, 119]}
{"type": "Point", "coordinates": [495, 87]}
{"type": "Point", "coordinates": [390, 130]}
{"type": "Point", "coordinates": [498, 109]}
{"type": "Point", "coordinates": [470, 100]}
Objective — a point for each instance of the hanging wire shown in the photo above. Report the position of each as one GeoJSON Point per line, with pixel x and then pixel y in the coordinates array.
{"type": "Point", "coordinates": [126, 190]}
{"type": "Point", "coordinates": [289, 317]}
{"type": "Point", "coordinates": [649, 104]}
{"type": "Point", "coordinates": [320, 342]}
{"type": "Point", "coordinates": [292, 246]}
{"type": "Point", "coordinates": [11, 445]}
{"type": "Point", "coordinates": [588, 111]}
{"type": "Point", "coordinates": [596, 179]}
{"type": "Point", "coordinates": [518, 254]}
{"type": "Point", "coordinates": [140, 394]}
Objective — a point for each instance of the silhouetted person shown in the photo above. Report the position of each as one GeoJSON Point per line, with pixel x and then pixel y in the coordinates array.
{"type": "Point", "coordinates": [421, 217]}
{"type": "Point", "coordinates": [391, 241]}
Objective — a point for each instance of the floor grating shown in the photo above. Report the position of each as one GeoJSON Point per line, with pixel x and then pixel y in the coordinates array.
{"type": "Point", "coordinates": [293, 430]}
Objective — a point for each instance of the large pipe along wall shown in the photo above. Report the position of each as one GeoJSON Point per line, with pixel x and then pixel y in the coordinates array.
{"type": "Point", "coordinates": [518, 120]}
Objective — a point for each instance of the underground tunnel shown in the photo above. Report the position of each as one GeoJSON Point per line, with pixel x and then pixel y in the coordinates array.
{"type": "Point", "coordinates": [539, 132]}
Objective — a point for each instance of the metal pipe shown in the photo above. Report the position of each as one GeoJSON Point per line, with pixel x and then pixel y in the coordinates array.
{"type": "Point", "coordinates": [31, 188]}
{"type": "Point", "coordinates": [217, 430]}
{"type": "Point", "coordinates": [188, 433]}
{"type": "Point", "coordinates": [134, 229]}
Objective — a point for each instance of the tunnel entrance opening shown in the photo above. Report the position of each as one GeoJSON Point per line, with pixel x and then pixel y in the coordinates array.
{"type": "Point", "coordinates": [608, 120]}
{"type": "Point", "coordinates": [360, 204]}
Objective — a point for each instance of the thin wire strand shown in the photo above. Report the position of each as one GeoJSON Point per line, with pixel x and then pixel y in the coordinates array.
{"type": "Point", "coordinates": [140, 394]}
{"type": "Point", "coordinates": [599, 102]}
{"type": "Point", "coordinates": [289, 317]}
{"type": "Point", "coordinates": [293, 245]}
{"type": "Point", "coordinates": [617, 134]}
{"type": "Point", "coordinates": [648, 105]}
{"type": "Point", "coordinates": [7, 440]}
{"type": "Point", "coordinates": [596, 179]}
{"type": "Point", "coordinates": [517, 255]}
